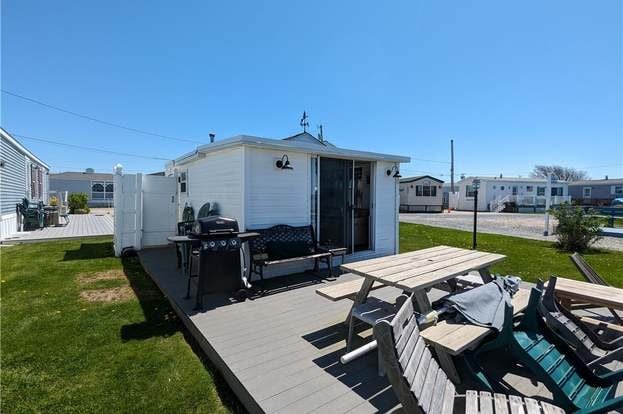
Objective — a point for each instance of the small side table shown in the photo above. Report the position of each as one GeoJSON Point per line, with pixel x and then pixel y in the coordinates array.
{"type": "Point", "coordinates": [335, 252]}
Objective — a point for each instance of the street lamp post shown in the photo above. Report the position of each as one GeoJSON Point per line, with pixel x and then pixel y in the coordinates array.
{"type": "Point", "coordinates": [475, 187]}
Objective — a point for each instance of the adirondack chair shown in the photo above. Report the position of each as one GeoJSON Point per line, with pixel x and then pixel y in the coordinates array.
{"type": "Point", "coordinates": [574, 386]}
{"type": "Point", "coordinates": [588, 346]}
{"type": "Point", "coordinates": [593, 277]}
{"type": "Point", "coordinates": [422, 386]}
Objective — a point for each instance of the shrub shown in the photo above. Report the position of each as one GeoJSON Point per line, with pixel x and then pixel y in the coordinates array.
{"type": "Point", "coordinates": [576, 229]}
{"type": "Point", "coordinates": [78, 203]}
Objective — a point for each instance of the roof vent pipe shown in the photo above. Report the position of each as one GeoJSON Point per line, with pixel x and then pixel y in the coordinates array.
{"type": "Point", "coordinates": [212, 135]}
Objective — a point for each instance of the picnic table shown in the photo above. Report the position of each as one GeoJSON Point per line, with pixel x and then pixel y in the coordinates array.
{"type": "Point", "coordinates": [575, 290]}
{"type": "Point", "coordinates": [416, 272]}
{"type": "Point", "coordinates": [420, 270]}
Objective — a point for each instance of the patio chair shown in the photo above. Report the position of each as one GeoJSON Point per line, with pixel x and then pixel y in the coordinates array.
{"type": "Point", "coordinates": [588, 346]}
{"type": "Point", "coordinates": [422, 386]}
{"type": "Point", "coordinates": [592, 276]}
{"type": "Point", "coordinates": [574, 386]}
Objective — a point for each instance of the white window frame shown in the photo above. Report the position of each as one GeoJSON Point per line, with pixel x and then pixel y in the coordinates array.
{"type": "Point", "coordinates": [585, 194]}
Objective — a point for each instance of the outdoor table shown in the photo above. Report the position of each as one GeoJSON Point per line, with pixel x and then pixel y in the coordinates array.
{"type": "Point", "coordinates": [417, 272]}
{"type": "Point", "coordinates": [606, 296]}
{"type": "Point", "coordinates": [420, 270]}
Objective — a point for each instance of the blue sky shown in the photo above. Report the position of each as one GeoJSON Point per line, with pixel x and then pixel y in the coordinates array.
{"type": "Point", "coordinates": [514, 83]}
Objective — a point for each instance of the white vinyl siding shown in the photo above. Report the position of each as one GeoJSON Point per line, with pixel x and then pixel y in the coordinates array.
{"type": "Point", "coordinates": [217, 177]}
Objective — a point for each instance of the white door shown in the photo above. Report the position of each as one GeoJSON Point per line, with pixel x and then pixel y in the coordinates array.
{"type": "Point", "coordinates": [159, 210]}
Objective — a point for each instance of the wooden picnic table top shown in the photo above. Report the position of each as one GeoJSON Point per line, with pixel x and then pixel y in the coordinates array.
{"type": "Point", "coordinates": [606, 296]}
{"type": "Point", "coordinates": [421, 269]}
{"type": "Point", "coordinates": [454, 338]}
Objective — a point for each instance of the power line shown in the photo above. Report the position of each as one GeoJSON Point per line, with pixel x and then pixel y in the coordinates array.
{"type": "Point", "coordinates": [90, 118]}
{"type": "Point", "coordinates": [125, 154]}
{"type": "Point", "coordinates": [435, 161]}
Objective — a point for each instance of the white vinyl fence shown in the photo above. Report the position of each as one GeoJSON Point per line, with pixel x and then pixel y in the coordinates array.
{"type": "Point", "coordinates": [145, 210]}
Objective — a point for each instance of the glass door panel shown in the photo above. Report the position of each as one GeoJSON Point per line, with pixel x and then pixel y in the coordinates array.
{"type": "Point", "coordinates": [336, 207]}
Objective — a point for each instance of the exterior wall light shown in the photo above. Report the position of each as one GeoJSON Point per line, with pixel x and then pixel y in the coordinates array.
{"type": "Point", "coordinates": [283, 163]}
{"type": "Point", "coordinates": [395, 170]}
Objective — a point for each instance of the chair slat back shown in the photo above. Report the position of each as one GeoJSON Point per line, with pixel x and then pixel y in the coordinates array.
{"type": "Point", "coordinates": [417, 380]}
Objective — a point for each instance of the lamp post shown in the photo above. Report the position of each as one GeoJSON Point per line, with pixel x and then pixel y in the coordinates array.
{"type": "Point", "coordinates": [475, 187]}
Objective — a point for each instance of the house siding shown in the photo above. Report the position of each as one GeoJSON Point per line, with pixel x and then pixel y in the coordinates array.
{"type": "Point", "coordinates": [386, 202]}
{"type": "Point", "coordinates": [215, 178]}
{"type": "Point", "coordinates": [600, 193]}
{"type": "Point", "coordinates": [275, 196]}
{"type": "Point", "coordinates": [15, 184]}
{"type": "Point", "coordinates": [79, 186]}
{"type": "Point", "coordinates": [409, 201]}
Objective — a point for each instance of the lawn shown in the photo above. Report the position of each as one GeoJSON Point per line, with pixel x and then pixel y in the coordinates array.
{"type": "Point", "coordinates": [116, 348]}
{"type": "Point", "coordinates": [529, 259]}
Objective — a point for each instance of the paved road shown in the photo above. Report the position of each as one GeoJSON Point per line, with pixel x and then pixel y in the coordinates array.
{"type": "Point", "coordinates": [529, 226]}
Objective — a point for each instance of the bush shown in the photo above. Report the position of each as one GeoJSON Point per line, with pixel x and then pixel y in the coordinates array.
{"type": "Point", "coordinates": [576, 229]}
{"type": "Point", "coordinates": [78, 203]}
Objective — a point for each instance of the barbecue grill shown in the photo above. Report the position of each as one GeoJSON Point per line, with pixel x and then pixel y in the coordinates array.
{"type": "Point", "coordinates": [220, 266]}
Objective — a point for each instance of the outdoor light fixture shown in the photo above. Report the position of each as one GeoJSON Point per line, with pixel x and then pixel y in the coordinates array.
{"type": "Point", "coordinates": [283, 163]}
{"type": "Point", "coordinates": [394, 169]}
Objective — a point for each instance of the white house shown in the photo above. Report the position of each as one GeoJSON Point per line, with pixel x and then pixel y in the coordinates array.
{"type": "Point", "coordinates": [22, 175]}
{"type": "Point", "coordinates": [421, 194]}
{"type": "Point", "coordinates": [528, 194]}
{"type": "Point", "coordinates": [350, 197]}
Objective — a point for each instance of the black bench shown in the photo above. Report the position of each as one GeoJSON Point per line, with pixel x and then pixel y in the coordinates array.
{"type": "Point", "coordinates": [282, 244]}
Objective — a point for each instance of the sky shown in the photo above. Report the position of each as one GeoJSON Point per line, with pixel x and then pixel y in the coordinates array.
{"type": "Point", "coordinates": [515, 84]}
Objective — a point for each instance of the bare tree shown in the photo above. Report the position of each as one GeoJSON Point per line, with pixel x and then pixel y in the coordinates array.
{"type": "Point", "coordinates": [559, 172]}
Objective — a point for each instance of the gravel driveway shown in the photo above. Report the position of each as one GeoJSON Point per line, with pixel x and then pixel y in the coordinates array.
{"type": "Point", "coordinates": [529, 226]}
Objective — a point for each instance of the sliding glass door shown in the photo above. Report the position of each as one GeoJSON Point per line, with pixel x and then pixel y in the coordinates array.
{"type": "Point", "coordinates": [344, 203]}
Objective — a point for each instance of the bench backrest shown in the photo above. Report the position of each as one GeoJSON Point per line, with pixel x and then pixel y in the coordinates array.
{"type": "Point", "coordinates": [564, 324]}
{"type": "Point", "coordinates": [416, 378]}
{"type": "Point", "coordinates": [282, 233]}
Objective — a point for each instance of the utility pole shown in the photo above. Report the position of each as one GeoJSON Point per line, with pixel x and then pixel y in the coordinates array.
{"type": "Point", "coordinates": [451, 166]}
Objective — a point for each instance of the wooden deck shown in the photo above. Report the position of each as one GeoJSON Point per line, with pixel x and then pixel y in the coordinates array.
{"type": "Point", "coordinates": [280, 352]}
{"type": "Point", "coordinates": [80, 225]}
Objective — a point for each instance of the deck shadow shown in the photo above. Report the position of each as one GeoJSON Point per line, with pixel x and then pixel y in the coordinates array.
{"type": "Point", "coordinates": [88, 251]}
{"type": "Point", "coordinates": [334, 334]}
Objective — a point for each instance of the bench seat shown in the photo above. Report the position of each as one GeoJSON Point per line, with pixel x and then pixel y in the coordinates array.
{"type": "Point", "coordinates": [344, 290]}
{"type": "Point", "coordinates": [268, 262]}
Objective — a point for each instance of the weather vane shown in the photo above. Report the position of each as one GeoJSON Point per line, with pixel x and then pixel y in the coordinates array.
{"type": "Point", "coordinates": [304, 123]}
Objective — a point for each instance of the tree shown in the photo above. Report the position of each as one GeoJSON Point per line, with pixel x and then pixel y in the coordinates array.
{"type": "Point", "coordinates": [559, 172]}
{"type": "Point", "coordinates": [577, 229]}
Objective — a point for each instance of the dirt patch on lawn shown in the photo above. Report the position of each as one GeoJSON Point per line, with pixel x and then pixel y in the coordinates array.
{"type": "Point", "coordinates": [113, 274]}
{"type": "Point", "coordinates": [116, 294]}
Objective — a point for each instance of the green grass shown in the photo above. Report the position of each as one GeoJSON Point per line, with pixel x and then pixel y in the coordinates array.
{"type": "Point", "coordinates": [529, 259]}
{"type": "Point", "coordinates": [61, 353]}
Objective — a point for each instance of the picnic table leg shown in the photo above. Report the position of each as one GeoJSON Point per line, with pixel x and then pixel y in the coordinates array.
{"type": "Point", "coordinates": [485, 274]}
{"type": "Point", "coordinates": [361, 297]}
{"type": "Point", "coordinates": [447, 364]}
{"type": "Point", "coordinates": [422, 303]}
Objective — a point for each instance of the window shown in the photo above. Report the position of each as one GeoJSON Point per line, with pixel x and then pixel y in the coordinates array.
{"type": "Point", "coordinates": [502, 188]}
{"type": "Point", "coordinates": [529, 188]}
{"type": "Point", "coordinates": [469, 191]}
{"type": "Point", "coordinates": [433, 191]}
{"type": "Point", "coordinates": [586, 192]}
{"type": "Point", "coordinates": [182, 182]}
{"type": "Point", "coordinates": [540, 191]}
{"type": "Point", "coordinates": [426, 191]}
{"type": "Point", "coordinates": [418, 191]}
{"type": "Point", "coordinates": [618, 189]}
{"type": "Point", "coordinates": [514, 190]}
{"type": "Point", "coordinates": [101, 190]}
{"type": "Point", "coordinates": [556, 191]}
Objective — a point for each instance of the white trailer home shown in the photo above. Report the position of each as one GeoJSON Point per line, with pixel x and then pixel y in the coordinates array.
{"type": "Point", "coordinates": [528, 194]}
{"type": "Point", "coordinates": [421, 194]}
{"type": "Point", "coordinates": [350, 197]}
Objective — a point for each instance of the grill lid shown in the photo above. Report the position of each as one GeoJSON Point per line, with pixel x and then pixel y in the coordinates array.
{"type": "Point", "coordinates": [215, 226]}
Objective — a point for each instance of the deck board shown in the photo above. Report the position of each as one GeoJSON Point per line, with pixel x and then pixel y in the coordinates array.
{"type": "Point", "coordinates": [80, 225]}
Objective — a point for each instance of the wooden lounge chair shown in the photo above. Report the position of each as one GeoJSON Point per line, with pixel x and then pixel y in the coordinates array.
{"type": "Point", "coordinates": [592, 276]}
{"type": "Point", "coordinates": [574, 386]}
{"type": "Point", "coordinates": [423, 387]}
{"type": "Point", "coordinates": [588, 346]}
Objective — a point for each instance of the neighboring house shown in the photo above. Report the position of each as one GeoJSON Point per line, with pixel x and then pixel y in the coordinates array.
{"type": "Point", "coordinates": [596, 192]}
{"type": "Point", "coordinates": [98, 186]}
{"type": "Point", "coordinates": [350, 197]}
{"type": "Point", "coordinates": [528, 194]}
{"type": "Point", "coordinates": [22, 175]}
{"type": "Point", "coordinates": [421, 194]}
